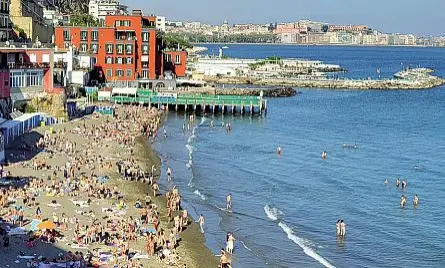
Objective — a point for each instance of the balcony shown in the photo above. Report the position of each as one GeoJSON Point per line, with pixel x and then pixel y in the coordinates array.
{"type": "Point", "coordinates": [60, 65]}
{"type": "Point", "coordinates": [25, 65]}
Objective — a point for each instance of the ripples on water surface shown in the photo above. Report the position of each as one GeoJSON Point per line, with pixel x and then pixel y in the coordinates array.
{"type": "Point", "coordinates": [285, 208]}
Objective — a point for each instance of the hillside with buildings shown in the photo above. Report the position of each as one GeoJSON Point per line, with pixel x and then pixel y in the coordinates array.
{"type": "Point", "coordinates": [299, 32]}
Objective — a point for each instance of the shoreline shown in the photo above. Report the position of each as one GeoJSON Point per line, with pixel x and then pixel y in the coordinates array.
{"type": "Point", "coordinates": [191, 248]}
{"type": "Point", "coordinates": [319, 45]}
{"type": "Point", "coordinates": [193, 238]}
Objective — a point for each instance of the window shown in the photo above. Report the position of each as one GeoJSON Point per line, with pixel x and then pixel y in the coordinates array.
{"type": "Point", "coordinates": [83, 35]}
{"type": "Point", "coordinates": [178, 59]}
{"type": "Point", "coordinates": [145, 36]}
{"type": "Point", "coordinates": [145, 49]}
{"type": "Point", "coordinates": [45, 58]}
{"type": "Point", "coordinates": [26, 79]}
{"type": "Point", "coordinates": [17, 79]}
{"type": "Point", "coordinates": [83, 47]}
{"type": "Point", "coordinates": [129, 72]}
{"type": "Point", "coordinates": [144, 73]}
{"type": "Point", "coordinates": [33, 58]}
{"type": "Point", "coordinates": [119, 60]}
{"type": "Point", "coordinates": [117, 23]}
{"type": "Point", "coordinates": [129, 60]}
{"type": "Point", "coordinates": [93, 60]}
{"type": "Point", "coordinates": [109, 48]}
{"type": "Point", "coordinates": [168, 58]}
{"type": "Point", "coordinates": [120, 49]}
{"type": "Point", "coordinates": [34, 79]}
{"type": "Point", "coordinates": [126, 23]}
{"type": "Point", "coordinates": [93, 48]}
{"type": "Point", "coordinates": [109, 60]}
{"type": "Point", "coordinates": [109, 73]}
{"type": "Point", "coordinates": [66, 35]}
{"type": "Point", "coordinates": [129, 49]}
{"type": "Point", "coordinates": [119, 73]}
{"type": "Point", "coordinates": [94, 35]}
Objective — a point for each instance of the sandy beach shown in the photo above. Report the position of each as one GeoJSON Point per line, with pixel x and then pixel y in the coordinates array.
{"type": "Point", "coordinates": [100, 212]}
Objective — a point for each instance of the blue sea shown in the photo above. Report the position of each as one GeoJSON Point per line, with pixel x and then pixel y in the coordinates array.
{"type": "Point", "coordinates": [285, 208]}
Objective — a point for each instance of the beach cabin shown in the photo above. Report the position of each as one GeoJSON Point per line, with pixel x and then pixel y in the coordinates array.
{"type": "Point", "coordinates": [11, 129]}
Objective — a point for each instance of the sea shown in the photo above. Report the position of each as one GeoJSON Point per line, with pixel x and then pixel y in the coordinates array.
{"type": "Point", "coordinates": [285, 208]}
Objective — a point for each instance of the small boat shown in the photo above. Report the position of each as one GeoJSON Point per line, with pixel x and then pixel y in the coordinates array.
{"type": "Point", "coordinates": [225, 47]}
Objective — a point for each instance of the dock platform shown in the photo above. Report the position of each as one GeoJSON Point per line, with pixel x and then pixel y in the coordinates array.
{"type": "Point", "coordinates": [193, 102]}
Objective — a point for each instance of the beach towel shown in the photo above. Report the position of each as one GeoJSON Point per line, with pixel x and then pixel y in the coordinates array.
{"type": "Point", "coordinates": [103, 179]}
{"type": "Point", "coordinates": [80, 203]}
{"type": "Point", "coordinates": [34, 225]}
{"type": "Point", "coordinates": [78, 246]}
{"type": "Point", "coordinates": [140, 256]}
{"type": "Point", "coordinates": [148, 229]}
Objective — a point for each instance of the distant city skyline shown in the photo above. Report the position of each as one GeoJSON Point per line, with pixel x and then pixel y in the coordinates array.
{"type": "Point", "coordinates": [393, 16]}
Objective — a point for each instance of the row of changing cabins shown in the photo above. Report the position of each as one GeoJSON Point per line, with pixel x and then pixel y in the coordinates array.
{"type": "Point", "coordinates": [10, 130]}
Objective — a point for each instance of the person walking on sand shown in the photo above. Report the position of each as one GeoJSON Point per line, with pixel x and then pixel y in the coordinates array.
{"type": "Point", "coordinates": [201, 222]}
{"type": "Point", "coordinates": [229, 202]}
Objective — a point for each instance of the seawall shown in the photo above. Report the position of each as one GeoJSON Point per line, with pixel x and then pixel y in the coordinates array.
{"type": "Point", "coordinates": [428, 82]}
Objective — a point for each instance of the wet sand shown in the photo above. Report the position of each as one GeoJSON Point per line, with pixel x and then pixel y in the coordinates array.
{"type": "Point", "coordinates": [191, 249]}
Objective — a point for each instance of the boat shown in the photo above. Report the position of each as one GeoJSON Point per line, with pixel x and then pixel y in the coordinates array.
{"type": "Point", "coordinates": [225, 47]}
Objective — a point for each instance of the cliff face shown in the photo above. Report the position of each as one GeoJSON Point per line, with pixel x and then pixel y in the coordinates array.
{"type": "Point", "coordinates": [72, 6]}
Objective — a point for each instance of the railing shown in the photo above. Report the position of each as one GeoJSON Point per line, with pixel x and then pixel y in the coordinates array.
{"type": "Point", "coordinates": [11, 44]}
{"type": "Point", "coordinates": [15, 65]}
{"type": "Point", "coordinates": [60, 65]}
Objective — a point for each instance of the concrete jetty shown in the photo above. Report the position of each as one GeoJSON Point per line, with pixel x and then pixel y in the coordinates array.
{"type": "Point", "coordinates": [409, 79]}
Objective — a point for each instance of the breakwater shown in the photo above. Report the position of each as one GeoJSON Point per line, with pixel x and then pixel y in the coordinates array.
{"type": "Point", "coordinates": [425, 81]}
{"type": "Point", "coordinates": [270, 92]}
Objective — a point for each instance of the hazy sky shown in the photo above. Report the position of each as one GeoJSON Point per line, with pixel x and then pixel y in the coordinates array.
{"type": "Point", "coordinates": [403, 16]}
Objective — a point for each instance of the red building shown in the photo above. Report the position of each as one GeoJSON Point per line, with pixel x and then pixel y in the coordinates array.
{"type": "Point", "coordinates": [125, 48]}
{"type": "Point", "coordinates": [27, 70]}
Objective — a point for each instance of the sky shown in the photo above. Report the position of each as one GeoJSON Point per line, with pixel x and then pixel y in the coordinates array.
{"type": "Point", "coordinates": [390, 16]}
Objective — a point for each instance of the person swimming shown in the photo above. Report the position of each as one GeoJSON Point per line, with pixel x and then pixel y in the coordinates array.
{"type": "Point", "coordinates": [385, 182]}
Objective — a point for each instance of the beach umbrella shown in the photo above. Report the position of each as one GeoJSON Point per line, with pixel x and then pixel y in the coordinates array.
{"type": "Point", "coordinates": [47, 225]}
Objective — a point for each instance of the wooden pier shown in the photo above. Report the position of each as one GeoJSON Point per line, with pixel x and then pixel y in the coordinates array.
{"type": "Point", "coordinates": [204, 103]}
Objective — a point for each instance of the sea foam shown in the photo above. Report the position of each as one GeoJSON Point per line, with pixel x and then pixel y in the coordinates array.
{"type": "Point", "coordinates": [302, 243]}
{"type": "Point", "coordinates": [202, 196]}
{"type": "Point", "coordinates": [272, 213]}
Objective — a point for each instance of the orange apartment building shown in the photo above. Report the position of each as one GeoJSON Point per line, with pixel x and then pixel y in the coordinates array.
{"type": "Point", "coordinates": [125, 48]}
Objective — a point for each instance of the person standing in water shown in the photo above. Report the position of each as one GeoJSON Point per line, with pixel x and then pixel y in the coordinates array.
{"type": "Point", "coordinates": [342, 228]}
{"type": "Point", "coordinates": [416, 200]}
{"type": "Point", "coordinates": [201, 222]}
{"type": "Point", "coordinates": [165, 133]}
{"type": "Point", "coordinates": [403, 184]}
{"type": "Point", "coordinates": [402, 201]}
{"type": "Point", "coordinates": [169, 174]}
{"type": "Point", "coordinates": [338, 227]}
{"type": "Point", "coordinates": [211, 123]}
{"type": "Point", "coordinates": [385, 182]}
{"type": "Point", "coordinates": [397, 182]}
{"type": "Point", "coordinates": [324, 154]}
{"type": "Point", "coordinates": [229, 202]}
{"type": "Point", "coordinates": [279, 151]}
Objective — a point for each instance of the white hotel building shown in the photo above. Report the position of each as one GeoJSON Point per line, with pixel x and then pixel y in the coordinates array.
{"type": "Point", "coordinates": [102, 8]}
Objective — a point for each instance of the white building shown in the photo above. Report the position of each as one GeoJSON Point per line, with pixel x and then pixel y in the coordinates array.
{"type": "Point", "coordinates": [160, 23]}
{"type": "Point", "coordinates": [102, 8]}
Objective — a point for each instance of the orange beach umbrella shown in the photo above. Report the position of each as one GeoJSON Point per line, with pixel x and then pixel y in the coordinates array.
{"type": "Point", "coordinates": [47, 225]}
